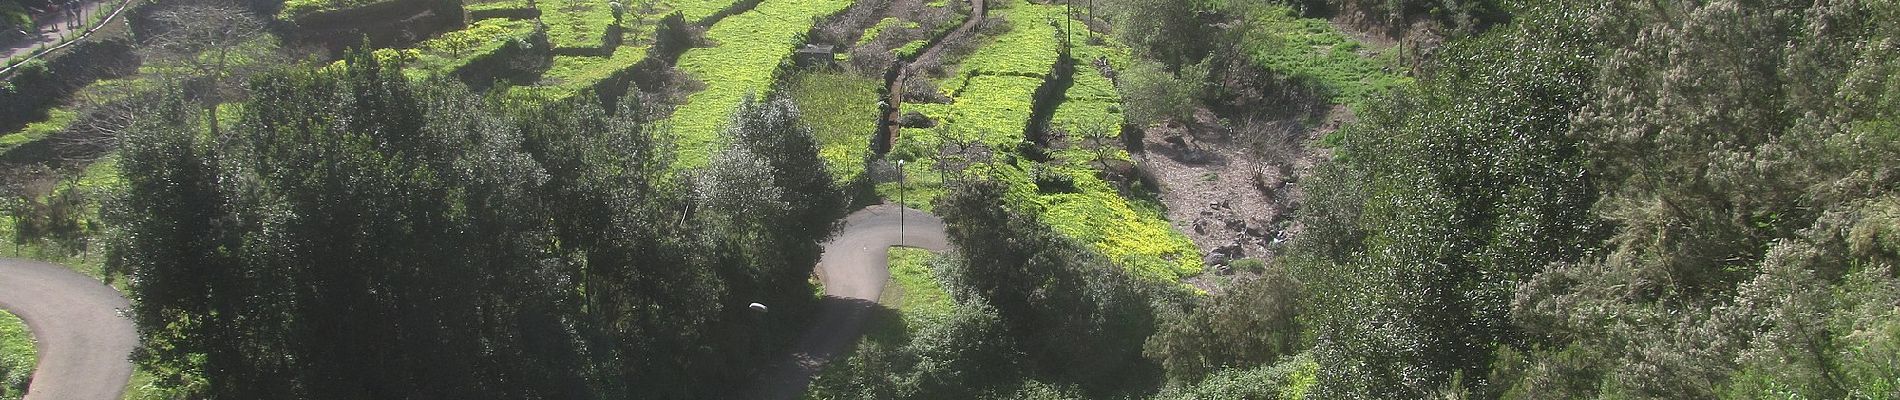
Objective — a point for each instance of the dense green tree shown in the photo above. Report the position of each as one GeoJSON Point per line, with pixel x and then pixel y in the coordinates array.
{"type": "Point", "coordinates": [1748, 181]}
{"type": "Point", "coordinates": [1254, 322]}
{"type": "Point", "coordinates": [1171, 31]}
{"type": "Point", "coordinates": [1067, 305]}
{"type": "Point", "coordinates": [1154, 95]}
{"type": "Point", "coordinates": [1441, 199]}
{"type": "Point", "coordinates": [359, 234]}
{"type": "Point", "coordinates": [1285, 380]}
{"type": "Point", "coordinates": [1621, 200]}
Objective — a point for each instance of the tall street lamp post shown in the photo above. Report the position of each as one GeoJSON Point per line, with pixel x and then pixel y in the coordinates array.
{"type": "Point", "coordinates": [900, 202]}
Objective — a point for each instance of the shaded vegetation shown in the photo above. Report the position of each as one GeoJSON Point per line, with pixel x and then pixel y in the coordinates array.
{"type": "Point", "coordinates": [1623, 200]}
{"type": "Point", "coordinates": [436, 243]}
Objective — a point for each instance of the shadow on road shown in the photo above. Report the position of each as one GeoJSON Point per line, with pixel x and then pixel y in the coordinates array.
{"type": "Point", "coordinates": [840, 322]}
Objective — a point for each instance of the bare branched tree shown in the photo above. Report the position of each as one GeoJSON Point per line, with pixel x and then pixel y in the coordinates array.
{"type": "Point", "coordinates": [204, 48]}
{"type": "Point", "coordinates": [106, 111]}
{"type": "Point", "coordinates": [1099, 138]}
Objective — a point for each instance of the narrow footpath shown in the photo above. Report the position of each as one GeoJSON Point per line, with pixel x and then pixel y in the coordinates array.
{"type": "Point", "coordinates": [58, 28]}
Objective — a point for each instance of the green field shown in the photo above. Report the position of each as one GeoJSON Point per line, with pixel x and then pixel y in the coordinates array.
{"type": "Point", "coordinates": [1028, 49]}
{"type": "Point", "coordinates": [744, 60]}
{"type": "Point", "coordinates": [842, 112]}
{"type": "Point", "coordinates": [17, 356]}
{"type": "Point", "coordinates": [1312, 48]}
{"type": "Point", "coordinates": [569, 75]}
{"type": "Point", "coordinates": [297, 8]}
{"type": "Point", "coordinates": [451, 51]}
{"type": "Point", "coordinates": [991, 103]}
{"type": "Point", "coordinates": [915, 291]}
{"type": "Point", "coordinates": [576, 23]}
{"type": "Point", "coordinates": [57, 120]}
{"type": "Point", "coordinates": [913, 294]}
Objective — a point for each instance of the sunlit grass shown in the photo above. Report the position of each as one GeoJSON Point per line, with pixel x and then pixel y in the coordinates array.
{"type": "Point", "coordinates": [298, 8]}
{"type": "Point", "coordinates": [576, 23]}
{"type": "Point", "coordinates": [991, 103]}
{"type": "Point", "coordinates": [17, 356]}
{"type": "Point", "coordinates": [842, 111]}
{"type": "Point", "coordinates": [749, 50]}
{"type": "Point", "coordinates": [57, 120]}
{"type": "Point", "coordinates": [1312, 48]}
{"type": "Point", "coordinates": [918, 294]}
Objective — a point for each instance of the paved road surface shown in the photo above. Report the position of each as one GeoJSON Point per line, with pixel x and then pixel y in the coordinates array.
{"type": "Point", "coordinates": [84, 344]}
{"type": "Point", "coordinates": [854, 269]}
{"type": "Point", "coordinates": [56, 27]}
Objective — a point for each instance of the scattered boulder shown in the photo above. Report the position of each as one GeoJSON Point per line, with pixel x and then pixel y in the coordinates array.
{"type": "Point", "coordinates": [1222, 255]}
{"type": "Point", "coordinates": [916, 120]}
{"type": "Point", "coordinates": [1256, 228]}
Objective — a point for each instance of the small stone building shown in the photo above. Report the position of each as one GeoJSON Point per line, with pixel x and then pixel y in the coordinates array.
{"type": "Point", "coordinates": [815, 55]}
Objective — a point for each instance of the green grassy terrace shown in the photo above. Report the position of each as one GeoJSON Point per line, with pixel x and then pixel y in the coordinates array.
{"type": "Point", "coordinates": [583, 24]}
{"type": "Point", "coordinates": [842, 110]}
{"type": "Point", "coordinates": [576, 23]}
{"type": "Point", "coordinates": [297, 8]}
{"type": "Point", "coordinates": [744, 60]}
{"type": "Point", "coordinates": [915, 291]}
{"type": "Point", "coordinates": [1313, 49]}
{"type": "Point", "coordinates": [451, 51]}
{"type": "Point", "coordinates": [991, 103]}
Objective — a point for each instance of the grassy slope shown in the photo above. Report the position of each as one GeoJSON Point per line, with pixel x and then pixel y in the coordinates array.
{"type": "Point", "coordinates": [914, 293]}
{"type": "Point", "coordinates": [581, 24]}
{"type": "Point", "coordinates": [99, 178]}
{"type": "Point", "coordinates": [57, 120]}
{"type": "Point", "coordinates": [450, 51]}
{"type": "Point", "coordinates": [842, 111]}
{"type": "Point", "coordinates": [294, 8]}
{"type": "Point", "coordinates": [17, 356]}
{"type": "Point", "coordinates": [569, 75]}
{"type": "Point", "coordinates": [748, 50]}
{"type": "Point", "coordinates": [1311, 48]}
{"type": "Point", "coordinates": [913, 300]}
{"type": "Point", "coordinates": [917, 295]}
{"type": "Point", "coordinates": [575, 23]}
{"type": "Point", "coordinates": [992, 92]}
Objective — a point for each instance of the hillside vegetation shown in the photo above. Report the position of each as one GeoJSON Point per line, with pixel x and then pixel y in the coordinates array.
{"type": "Point", "coordinates": [17, 357]}
{"type": "Point", "coordinates": [1621, 200]}
{"type": "Point", "coordinates": [1525, 199]}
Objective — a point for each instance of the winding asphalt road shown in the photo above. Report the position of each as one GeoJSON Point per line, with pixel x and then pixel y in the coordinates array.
{"type": "Point", "coordinates": [854, 269]}
{"type": "Point", "coordinates": [85, 345]}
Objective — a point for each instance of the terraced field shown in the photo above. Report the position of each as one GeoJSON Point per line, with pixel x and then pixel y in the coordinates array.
{"type": "Point", "coordinates": [578, 32]}
{"type": "Point", "coordinates": [451, 52]}
{"type": "Point", "coordinates": [295, 8]}
{"type": "Point", "coordinates": [992, 94]}
{"type": "Point", "coordinates": [842, 110]}
{"type": "Point", "coordinates": [748, 50]}
{"type": "Point", "coordinates": [1313, 49]}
